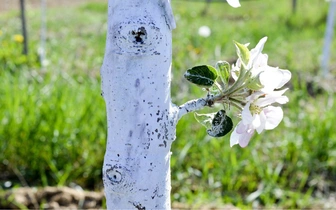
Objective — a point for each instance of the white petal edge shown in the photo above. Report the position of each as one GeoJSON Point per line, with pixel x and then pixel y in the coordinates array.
{"type": "Point", "coordinates": [234, 138]}
{"type": "Point", "coordinates": [274, 116]}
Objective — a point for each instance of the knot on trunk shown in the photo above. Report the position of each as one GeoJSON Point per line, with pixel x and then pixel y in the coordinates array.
{"type": "Point", "coordinates": [118, 177]}
{"type": "Point", "coordinates": [139, 36]}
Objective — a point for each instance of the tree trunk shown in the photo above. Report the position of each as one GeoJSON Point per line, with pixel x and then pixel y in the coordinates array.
{"type": "Point", "coordinates": [140, 116]}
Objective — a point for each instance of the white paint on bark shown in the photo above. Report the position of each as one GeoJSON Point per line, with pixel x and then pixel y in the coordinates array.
{"type": "Point", "coordinates": [140, 116]}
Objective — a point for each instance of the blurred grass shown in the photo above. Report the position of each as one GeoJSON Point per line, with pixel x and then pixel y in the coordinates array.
{"type": "Point", "coordinates": [53, 128]}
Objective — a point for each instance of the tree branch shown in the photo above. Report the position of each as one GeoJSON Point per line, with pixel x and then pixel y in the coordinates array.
{"type": "Point", "coordinates": [194, 105]}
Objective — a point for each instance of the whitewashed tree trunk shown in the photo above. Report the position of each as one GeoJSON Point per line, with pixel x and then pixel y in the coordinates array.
{"type": "Point", "coordinates": [141, 118]}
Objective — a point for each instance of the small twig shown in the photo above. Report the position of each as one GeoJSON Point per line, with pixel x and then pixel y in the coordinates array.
{"type": "Point", "coordinates": [25, 184]}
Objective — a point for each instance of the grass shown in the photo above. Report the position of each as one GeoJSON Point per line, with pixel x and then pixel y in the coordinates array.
{"type": "Point", "coordinates": [53, 126]}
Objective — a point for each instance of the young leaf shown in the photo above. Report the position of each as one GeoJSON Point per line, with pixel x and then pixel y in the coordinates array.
{"type": "Point", "coordinates": [203, 75]}
{"type": "Point", "coordinates": [243, 53]}
{"type": "Point", "coordinates": [254, 83]}
{"type": "Point", "coordinates": [224, 71]}
{"type": "Point", "coordinates": [221, 125]}
{"type": "Point", "coordinates": [205, 119]}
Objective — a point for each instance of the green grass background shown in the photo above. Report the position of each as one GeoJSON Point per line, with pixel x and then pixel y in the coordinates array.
{"type": "Point", "coordinates": [53, 123]}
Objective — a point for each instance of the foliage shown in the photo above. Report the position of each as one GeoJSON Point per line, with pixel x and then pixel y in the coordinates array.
{"type": "Point", "coordinates": [53, 126]}
{"type": "Point", "coordinates": [11, 57]}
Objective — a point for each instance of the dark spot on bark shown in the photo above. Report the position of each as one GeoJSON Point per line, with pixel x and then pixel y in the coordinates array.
{"type": "Point", "coordinates": [137, 82]}
{"type": "Point", "coordinates": [118, 155]}
{"type": "Point", "coordinates": [165, 143]}
{"type": "Point", "coordinates": [130, 134]}
{"type": "Point", "coordinates": [158, 112]}
{"type": "Point", "coordinates": [139, 206]}
{"type": "Point", "coordinates": [156, 130]}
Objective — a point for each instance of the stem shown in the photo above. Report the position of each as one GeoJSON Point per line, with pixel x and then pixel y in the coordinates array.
{"type": "Point", "coordinates": [225, 97]}
{"type": "Point", "coordinates": [218, 86]}
{"type": "Point", "coordinates": [192, 105]}
{"type": "Point", "coordinates": [238, 85]}
{"type": "Point", "coordinates": [238, 103]}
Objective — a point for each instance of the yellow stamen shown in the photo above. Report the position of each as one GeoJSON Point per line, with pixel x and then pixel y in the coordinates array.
{"type": "Point", "coordinates": [255, 109]}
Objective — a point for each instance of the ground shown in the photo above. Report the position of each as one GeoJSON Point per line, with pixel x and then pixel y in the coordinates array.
{"type": "Point", "coordinates": [69, 198]}
{"type": "Point", "coordinates": [51, 198]}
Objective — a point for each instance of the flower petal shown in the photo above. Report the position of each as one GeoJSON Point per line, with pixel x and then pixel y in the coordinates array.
{"type": "Point", "coordinates": [246, 137]}
{"type": "Point", "coordinates": [272, 97]}
{"type": "Point", "coordinates": [247, 117]}
{"type": "Point", "coordinates": [234, 138]}
{"type": "Point", "coordinates": [274, 116]}
{"type": "Point", "coordinates": [255, 52]}
{"type": "Point", "coordinates": [263, 122]}
{"type": "Point", "coordinates": [286, 76]}
{"type": "Point", "coordinates": [256, 121]}
{"type": "Point", "coordinates": [274, 78]}
{"type": "Point", "coordinates": [241, 135]}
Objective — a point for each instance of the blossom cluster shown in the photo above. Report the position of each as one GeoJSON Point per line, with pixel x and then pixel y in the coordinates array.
{"type": "Point", "coordinates": [263, 84]}
{"type": "Point", "coordinates": [251, 85]}
{"type": "Point", "coordinates": [257, 91]}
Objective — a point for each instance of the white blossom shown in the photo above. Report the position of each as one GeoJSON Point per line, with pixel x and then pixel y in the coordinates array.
{"type": "Point", "coordinates": [233, 3]}
{"type": "Point", "coordinates": [269, 77]}
{"type": "Point", "coordinates": [204, 31]}
{"type": "Point", "coordinates": [258, 115]}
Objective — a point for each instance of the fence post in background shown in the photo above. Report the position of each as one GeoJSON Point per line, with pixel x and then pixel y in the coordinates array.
{"type": "Point", "coordinates": [328, 38]}
{"type": "Point", "coordinates": [42, 51]}
{"type": "Point", "coordinates": [294, 6]}
{"type": "Point", "coordinates": [24, 29]}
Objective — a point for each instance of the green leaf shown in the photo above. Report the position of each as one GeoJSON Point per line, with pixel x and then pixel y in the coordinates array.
{"type": "Point", "coordinates": [243, 53]}
{"type": "Point", "coordinates": [224, 70]}
{"type": "Point", "coordinates": [205, 119]}
{"type": "Point", "coordinates": [254, 83]}
{"type": "Point", "coordinates": [221, 125]}
{"type": "Point", "coordinates": [203, 75]}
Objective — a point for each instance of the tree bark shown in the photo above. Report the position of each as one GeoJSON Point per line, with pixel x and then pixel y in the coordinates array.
{"type": "Point", "coordinates": [140, 116]}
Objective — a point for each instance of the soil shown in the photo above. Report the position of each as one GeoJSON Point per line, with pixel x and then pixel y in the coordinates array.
{"type": "Point", "coordinates": [69, 198]}
{"type": "Point", "coordinates": [51, 198]}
